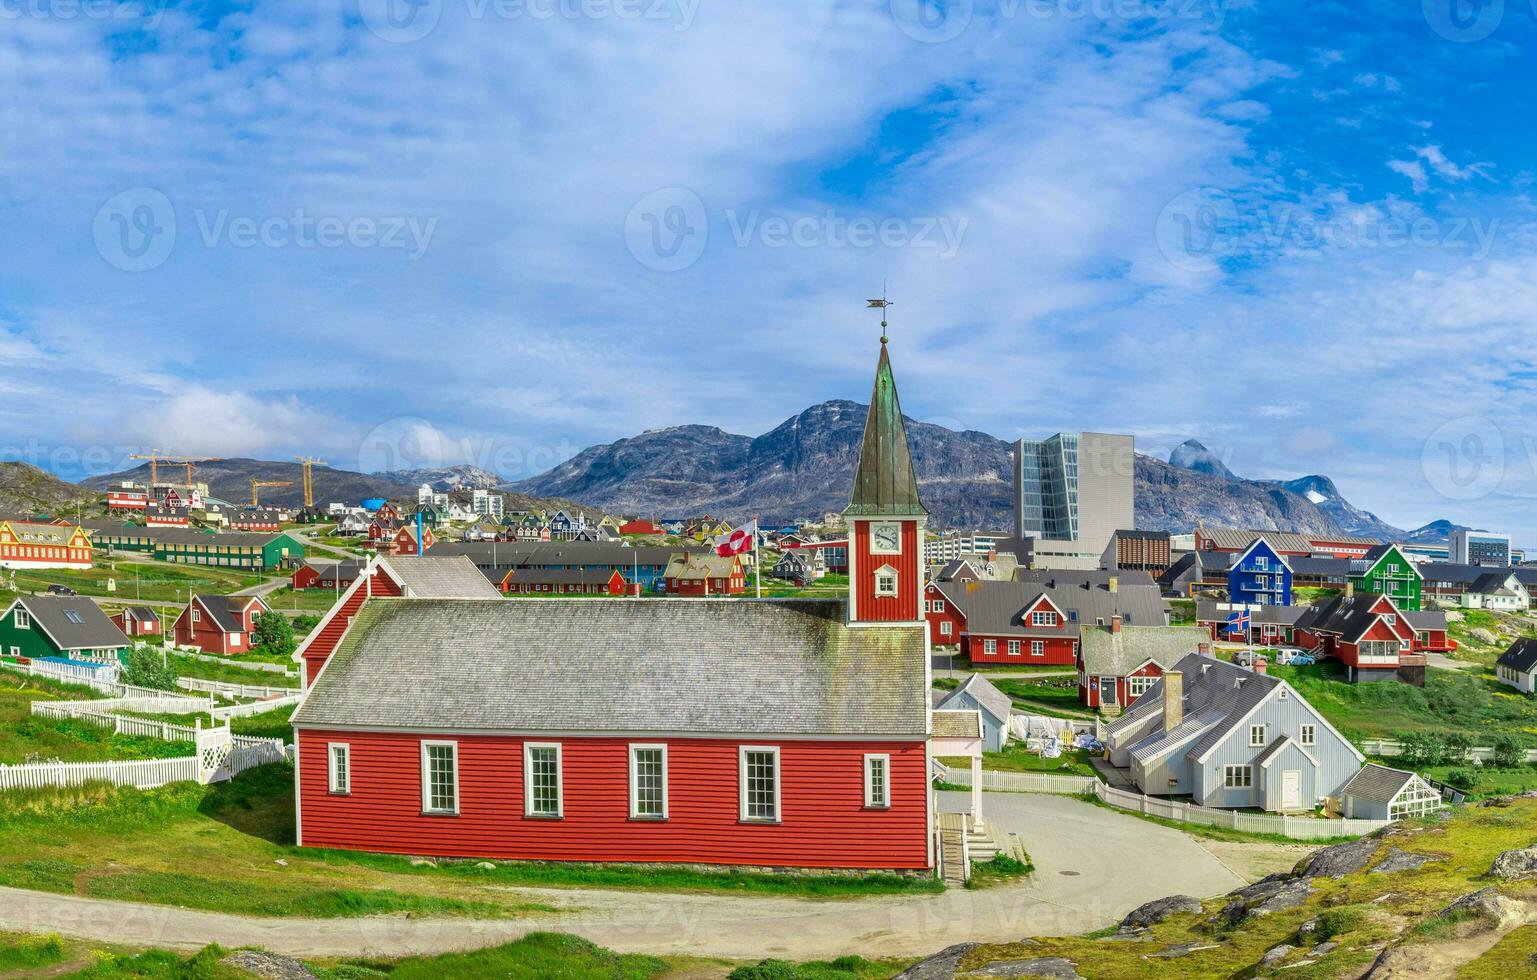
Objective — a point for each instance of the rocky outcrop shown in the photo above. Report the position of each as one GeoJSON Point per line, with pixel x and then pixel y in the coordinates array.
{"type": "Point", "coordinates": [1275, 893]}
{"type": "Point", "coordinates": [1398, 860]}
{"type": "Point", "coordinates": [941, 966]}
{"type": "Point", "coordinates": [1339, 860]}
{"type": "Point", "coordinates": [946, 965]}
{"type": "Point", "coordinates": [269, 966]}
{"type": "Point", "coordinates": [1518, 865]}
{"type": "Point", "coordinates": [1159, 909]}
{"type": "Point", "coordinates": [1487, 906]}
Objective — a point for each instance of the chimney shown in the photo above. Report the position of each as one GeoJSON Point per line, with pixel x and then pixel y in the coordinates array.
{"type": "Point", "coordinates": [1114, 583]}
{"type": "Point", "coordinates": [1173, 700]}
{"type": "Point", "coordinates": [1204, 649]}
{"type": "Point", "coordinates": [1115, 623]}
{"type": "Point", "coordinates": [1260, 666]}
{"type": "Point", "coordinates": [1350, 589]}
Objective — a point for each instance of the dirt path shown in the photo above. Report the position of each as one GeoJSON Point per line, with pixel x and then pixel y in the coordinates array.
{"type": "Point", "coordinates": [1081, 853]}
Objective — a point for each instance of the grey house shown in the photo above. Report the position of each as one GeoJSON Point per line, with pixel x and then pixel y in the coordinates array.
{"type": "Point", "coordinates": [1229, 737]}
{"type": "Point", "coordinates": [978, 694]}
{"type": "Point", "coordinates": [1380, 793]}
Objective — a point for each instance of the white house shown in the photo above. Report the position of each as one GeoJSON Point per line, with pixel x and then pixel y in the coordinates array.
{"type": "Point", "coordinates": [1517, 666]}
{"type": "Point", "coordinates": [1498, 590]}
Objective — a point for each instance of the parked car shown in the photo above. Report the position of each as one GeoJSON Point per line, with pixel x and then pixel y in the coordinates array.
{"type": "Point", "coordinates": [56, 589]}
{"type": "Point", "coordinates": [1289, 655]}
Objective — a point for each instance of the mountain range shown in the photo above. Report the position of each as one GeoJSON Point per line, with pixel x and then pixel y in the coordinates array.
{"type": "Point", "coordinates": [804, 466]}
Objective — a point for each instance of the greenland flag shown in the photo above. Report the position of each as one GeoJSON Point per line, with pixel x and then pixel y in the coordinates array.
{"type": "Point", "coordinates": [737, 541]}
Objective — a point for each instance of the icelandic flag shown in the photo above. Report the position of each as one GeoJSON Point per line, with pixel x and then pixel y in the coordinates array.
{"type": "Point", "coordinates": [1238, 622]}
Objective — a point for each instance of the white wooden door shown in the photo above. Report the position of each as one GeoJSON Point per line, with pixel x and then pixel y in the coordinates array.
{"type": "Point", "coordinates": [1291, 790]}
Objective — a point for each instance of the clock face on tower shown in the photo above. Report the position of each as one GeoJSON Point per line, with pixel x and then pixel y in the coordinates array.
{"type": "Point", "coordinates": [886, 539]}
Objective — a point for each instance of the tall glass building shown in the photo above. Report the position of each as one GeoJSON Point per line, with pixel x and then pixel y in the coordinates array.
{"type": "Point", "coordinates": [1073, 491]}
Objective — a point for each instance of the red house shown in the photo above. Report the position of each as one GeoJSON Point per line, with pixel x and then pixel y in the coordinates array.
{"type": "Point", "coordinates": [387, 512]}
{"type": "Point", "coordinates": [404, 540]}
{"type": "Point", "coordinates": [944, 616]}
{"type": "Point", "coordinates": [254, 520]}
{"type": "Point", "coordinates": [167, 517]}
{"type": "Point", "coordinates": [428, 577]}
{"type": "Point", "coordinates": [330, 575]}
{"type": "Point", "coordinates": [640, 527]}
{"type": "Point", "coordinates": [1368, 634]}
{"type": "Point", "coordinates": [789, 734]}
{"type": "Point", "coordinates": [126, 499]}
{"type": "Point", "coordinates": [561, 581]}
{"type": "Point", "coordinates": [137, 621]}
{"type": "Point", "coordinates": [219, 624]}
{"type": "Point", "coordinates": [704, 574]}
{"type": "Point", "coordinates": [1117, 664]}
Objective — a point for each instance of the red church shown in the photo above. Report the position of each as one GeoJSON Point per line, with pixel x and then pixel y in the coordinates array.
{"type": "Point", "coordinates": [789, 733]}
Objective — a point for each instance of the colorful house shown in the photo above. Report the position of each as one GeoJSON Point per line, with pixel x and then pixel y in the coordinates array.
{"type": "Point", "coordinates": [25, 544]}
{"type": "Point", "coordinates": [703, 574]}
{"type": "Point", "coordinates": [68, 627]}
{"type": "Point", "coordinates": [137, 621]}
{"type": "Point", "coordinates": [220, 624]}
{"type": "Point", "coordinates": [329, 575]}
{"type": "Point", "coordinates": [1260, 576]}
{"type": "Point", "coordinates": [1118, 664]}
{"type": "Point", "coordinates": [561, 581]}
{"type": "Point", "coordinates": [1386, 570]}
{"type": "Point", "coordinates": [254, 551]}
{"type": "Point", "coordinates": [1367, 633]}
{"type": "Point", "coordinates": [791, 734]}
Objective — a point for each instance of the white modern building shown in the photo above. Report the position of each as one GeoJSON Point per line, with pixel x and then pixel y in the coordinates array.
{"type": "Point", "coordinates": [1479, 548]}
{"type": "Point", "coordinates": [1072, 492]}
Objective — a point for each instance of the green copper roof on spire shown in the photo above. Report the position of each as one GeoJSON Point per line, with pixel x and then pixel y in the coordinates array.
{"type": "Point", "coordinates": [885, 484]}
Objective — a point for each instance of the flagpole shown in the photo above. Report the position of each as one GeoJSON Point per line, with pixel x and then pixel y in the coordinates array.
{"type": "Point", "coordinates": [757, 565]}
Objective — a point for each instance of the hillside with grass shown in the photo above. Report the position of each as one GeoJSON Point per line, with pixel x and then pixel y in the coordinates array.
{"type": "Point", "coordinates": [26, 490]}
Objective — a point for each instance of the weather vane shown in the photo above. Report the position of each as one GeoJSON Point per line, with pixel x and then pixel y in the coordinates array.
{"type": "Point", "coordinates": [881, 304]}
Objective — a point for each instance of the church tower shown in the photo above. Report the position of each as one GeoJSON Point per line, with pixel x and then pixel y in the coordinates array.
{"type": "Point", "coordinates": [884, 516]}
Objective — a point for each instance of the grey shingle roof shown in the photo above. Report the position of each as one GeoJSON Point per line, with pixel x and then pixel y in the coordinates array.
{"type": "Point", "coordinates": [957, 724]}
{"type": "Point", "coordinates": [1106, 653]}
{"type": "Point", "coordinates": [1239, 540]}
{"type": "Point", "coordinates": [432, 577]}
{"type": "Point", "coordinates": [981, 689]}
{"type": "Point", "coordinates": [1429, 619]}
{"type": "Point", "coordinates": [225, 610]}
{"type": "Point", "coordinates": [1377, 783]}
{"type": "Point", "coordinates": [1348, 616]}
{"type": "Point", "coordinates": [996, 608]}
{"type": "Point", "coordinates": [1217, 695]}
{"type": "Point", "coordinates": [614, 665]}
{"type": "Point", "coordinates": [58, 615]}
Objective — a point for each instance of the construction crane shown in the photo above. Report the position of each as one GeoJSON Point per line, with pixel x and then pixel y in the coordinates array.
{"type": "Point", "coordinates": [258, 484]}
{"type": "Point", "coordinates": [156, 457]}
{"type": "Point", "coordinates": [309, 478]}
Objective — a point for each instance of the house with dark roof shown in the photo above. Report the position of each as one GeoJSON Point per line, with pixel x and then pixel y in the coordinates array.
{"type": "Point", "coordinates": [1517, 666]}
{"type": "Point", "coordinates": [1237, 622]}
{"type": "Point", "coordinates": [1118, 664]}
{"type": "Point", "coordinates": [1183, 576]}
{"type": "Point", "coordinates": [1386, 570]}
{"type": "Point", "coordinates": [319, 573]}
{"type": "Point", "coordinates": [1500, 590]}
{"type": "Point", "coordinates": [1229, 737]}
{"type": "Point", "coordinates": [1035, 619]}
{"type": "Point", "coordinates": [71, 627]}
{"type": "Point", "coordinates": [136, 621]}
{"type": "Point", "coordinates": [220, 624]}
{"type": "Point", "coordinates": [801, 566]}
{"type": "Point", "coordinates": [558, 581]}
{"type": "Point", "coordinates": [1383, 793]}
{"type": "Point", "coordinates": [1366, 632]}
{"type": "Point", "coordinates": [779, 733]}
{"type": "Point", "coordinates": [976, 693]}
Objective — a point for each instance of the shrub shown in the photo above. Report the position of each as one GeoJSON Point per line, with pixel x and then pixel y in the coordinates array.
{"type": "Point", "coordinates": [1461, 778]}
{"type": "Point", "coordinates": [1337, 922]}
{"type": "Point", "coordinates": [274, 634]}
{"type": "Point", "coordinates": [145, 668]}
{"type": "Point", "coordinates": [1458, 745]}
{"type": "Point", "coordinates": [1423, 748]}
{"type": "Point", "coordinates": [1508, 752]}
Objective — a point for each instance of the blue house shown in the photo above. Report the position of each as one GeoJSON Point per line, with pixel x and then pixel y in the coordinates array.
{"type": "Point", "coordinates": [1260, 576]}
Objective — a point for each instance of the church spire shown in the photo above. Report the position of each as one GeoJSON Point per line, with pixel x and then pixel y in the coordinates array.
{"type": "Point", "coordinates": [885, 484]}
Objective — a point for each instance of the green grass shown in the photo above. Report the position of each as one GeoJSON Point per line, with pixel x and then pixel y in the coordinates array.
{"type": "Point", "coordinates": [229, 672]}
{"type": "Point", "coordinates": [1486, 780]}
{"type": "Point", "coordinates": [1181, 612]}
{"type": "Point", "coordinates": [537, 956]}
{"type": "Point", "coordinates": [1450, 702]}
{"type": "Point", "coordinates": [23, 735]}
{"type": "Point", "coordinates": [1050, 696]}
{"type": "Point", "coordinates": [303, 601]}
{"type": "Point", "coordinates": [153, 580]}
{"type": "Point", "coordinates": [842, 968]}
{"type": "Point", "coordinates": [1512, 956]}
{"type": "Point", "coordinates": [1015, 758]}
{"type": "Point", "coordinates": [1003, 869]}
{"type": "Point", "coordinates": [218, 847]}
{"type": "Point", "coordinates": [29, 952]}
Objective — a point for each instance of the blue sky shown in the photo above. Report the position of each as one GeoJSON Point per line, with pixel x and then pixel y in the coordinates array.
{"type": "Point", "coordinates": [496, 231]}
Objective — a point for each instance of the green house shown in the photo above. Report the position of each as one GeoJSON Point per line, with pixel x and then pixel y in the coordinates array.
{"type": "Point", "coordinates": [38, 626]}
{"type": "Point", "coordinates": [1388, 571]}
{"type": "Point", "coordinates": [253, 551]}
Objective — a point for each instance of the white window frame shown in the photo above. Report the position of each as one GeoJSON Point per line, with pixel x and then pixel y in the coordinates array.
{"type": "Point", "coordinates": [990, 647]}
{"type": "Point", "coordinates": [427, 807]}
{"type": "Point", "coordinates": [1037, 648]}
{"type": "Point", "coordinates": [1013, 648]}
{"type": "Point", "coordinates": [1238, 777]}
{"type": "Point", "coordinates": [342, 787]}
{"type": "Point", "coordinates": [1138, 685]}
{"type": "Point", "coordinates": [945, 628]}
{"type": "Point", "coordinates": [888, 582]}
{"type": "Point", "coordinates": [742, 753]}
{"type": "Point", "coordinates": [1307, 735]}
{"type": "Point", "coordinates": [871, 803]}
{"type": "Point", "coordinates": [22, 620]}
{"type": "Point", "coordinates": [1044, 617]}
{"type": "Point", "coordinates": [1256, 736]}
{"type": "Point", "coordinates": [528, 781]}
{"type": "Point", "coordinates": [635, 813]}
{"type": "Point", "coordinates": [939, 605]}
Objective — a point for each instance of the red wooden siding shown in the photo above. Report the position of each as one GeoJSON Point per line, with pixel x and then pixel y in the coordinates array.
{"type": "Point", "coordinates": [1056, 650]}
{"type": "Point", "coordinates": [824, 821]}
{"type": "Point", "coordinates": [324, 642]}
{"type": "Point", "coordinates": [1088, 686]}
{"type": "Point", "coordinates": [902, 607]}
{"type": "Point", "coordinates": [950, 615]}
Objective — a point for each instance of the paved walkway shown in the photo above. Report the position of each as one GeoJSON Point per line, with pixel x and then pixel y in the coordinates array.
{"type": "Point", "coordinates": [1083, 881]}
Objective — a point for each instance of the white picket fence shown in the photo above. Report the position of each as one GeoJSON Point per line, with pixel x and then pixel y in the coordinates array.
{"type": "Point", "coordinates": [143, 773]}
{"type": "Point", "coordinates": [104, 681]}
{"type": "Point", "coordinates": [255, 707]}
{"type": "Point", "coordinates": [1388, 748]}
{"type": "Point", "coordinates": [260, 665]}
{"type": "Point", "coordinates": [120, 724]}
{"type": "Point", "coordinates": [248, 753]}
{"type": "Point", "coordinates": [234, 690]}
{"type": "Point", "coordinates": [1297, 828]}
